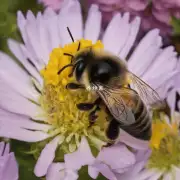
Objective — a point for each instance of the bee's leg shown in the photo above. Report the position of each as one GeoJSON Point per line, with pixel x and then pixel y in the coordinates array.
{"type": "Point", "coordinates": [88, 106]}
{"type": "Point", "coordinates": [74, 86]}
{"type": "Point", "coordinates": [92, 115]}
{"type": "Point", "coordinates": [112, 132]}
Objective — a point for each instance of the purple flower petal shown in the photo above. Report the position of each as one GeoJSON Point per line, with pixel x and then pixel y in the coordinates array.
{"type": "Point", "coordinates": [46, 157]}
{"type": "Point", "coordinates": [117, 156]}
{"type": "Point", "coordinates": [9, 170]}
{"type": "Point", "coordinates": [56, 171]}
{"type": "Point", "coordinates": [133, 142]}
{"type": "Point", "coordinates": [93, 24]}
{"type": "Point", "coordinates": [79, 158]}
{"type": "Point", "coordinates": [93, 172]}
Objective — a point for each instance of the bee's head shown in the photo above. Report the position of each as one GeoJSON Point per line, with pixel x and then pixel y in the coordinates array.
{"type": "Point", "coordinates": [103, 70]}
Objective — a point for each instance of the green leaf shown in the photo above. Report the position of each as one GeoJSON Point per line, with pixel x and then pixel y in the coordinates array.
{"type": "Point", "coordinates": [175, 22]}
{"type": "Point", "coordinates": [26, 162]}
{"type": "Point", "coordinates": [83, 174]}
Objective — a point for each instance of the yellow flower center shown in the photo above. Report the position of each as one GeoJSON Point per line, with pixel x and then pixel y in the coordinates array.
{"type": "Point", "coordinates": [165, 145]}
{"type": "Point", "coordinates": [60, 104]}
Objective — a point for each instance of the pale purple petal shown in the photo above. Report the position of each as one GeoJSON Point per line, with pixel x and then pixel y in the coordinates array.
{"type": "Point", "coordinates": [133, 142]}
{"type": "Point", "coordinates": [71, 175]}
{"type": "Point", "coordinates": [22, 134]}
{"type": "Point", "coordinates": [18, 50]}
{"type": "Point", "coordinates": [105, 171]}
{"type": "Point", "coordinates": [9, 170]}
{"type": "Point", "coordinates": [46, 157]}
{"type": "Point", "coordinates": [14, 102]}
{"type": "Point", "coordinates": [81, 157]}
{"type": "Point", "coordinates": [56, 171]}
{"type": "Point", "coordinates": [134, 29]}
{"type": "Point", "coordinates": [116, 33]}
{"type": "Point", "coordinates": [120, 157]}
{"type": "Point", "coordinates": [34, 38]}
{"type": "Point", "coordinates": [23, 122]}
{"type": "Point", "coordinates": [51, 23]}
{"type": "Point", "coordinates": [176, 171]}
{"type": "Point", "coordinates": [166, 59]}
{"type": "Point", "coordinates": [93, 172]}
{"type": "Point", "coordinates": [16, 77]}
{"type": "Point", "coordinates": [168, 176]}
{"type": "Point", "coordinates": [146, 174]}
{"type": "Point", "coordinates": [157, 176]}
{"type": "Point", "coordinates": [93, 24]}
{"type": "Point", "coordinates": [70, 16]}
{"type": "Point", "coordinates": [151, 44]}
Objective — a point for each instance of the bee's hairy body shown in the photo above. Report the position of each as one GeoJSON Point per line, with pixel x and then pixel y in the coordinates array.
{"type": "Point", "coordinates": [141, 128]}
{"type": "Point", "coordinates": [92, 67]}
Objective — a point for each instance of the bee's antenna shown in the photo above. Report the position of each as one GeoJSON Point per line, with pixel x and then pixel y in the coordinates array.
{"type": "Point", "coordinates": [70, 34]}
{"type": "Point", "coordinates": [62, 69]}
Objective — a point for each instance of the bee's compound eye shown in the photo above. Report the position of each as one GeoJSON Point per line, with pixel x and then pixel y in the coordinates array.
{"type": "Point", "coordinates": [101, 72]}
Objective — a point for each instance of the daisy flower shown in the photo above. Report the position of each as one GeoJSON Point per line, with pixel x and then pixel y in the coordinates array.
{"type": "Point", "coordinates": [164, 159]}
{"type": "Point", "coordinates": [41, 111]}
{"type": "Point", "coordinates": [8, 164]}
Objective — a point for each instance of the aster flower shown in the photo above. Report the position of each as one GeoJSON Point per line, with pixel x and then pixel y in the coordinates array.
{"type": "Point", "coordinates": [8, 164]}
{"type": "Point", "coordinates": [154, 14]}
{"type": "Point", "coordinates": [54, 4]}
{"type": "Point", "coordinates": [44, 113]}
{"type": "Point", "coordinates": [164, 159]}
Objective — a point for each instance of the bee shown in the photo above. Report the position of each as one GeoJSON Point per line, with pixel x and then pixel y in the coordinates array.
{"type": "Point", "coordinates": [128, 104]}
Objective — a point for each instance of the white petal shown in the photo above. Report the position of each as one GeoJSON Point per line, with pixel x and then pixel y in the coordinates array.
{"type": "Point", "coordinates": [93, 172]}
{"type": "Point", "coordinates": [71, 175]}
{"type": "Point", "coordinates": [93, 24]}
{"type": "Point", "coordinates": [176, 171]}
{"type": "Point", "coordinates": [23, 122]}
{"type": "Point", "coordinates": [145, 174]}
{"type": "Point", "coordinates": [70, 16]}
{"type": "Point", "coordinates": [81, 157]}
{"type": "Point", "coordinates": [9, 171]}
{"type": "Point", "coordinates": [151, 39]}
{"type": "Point", "coordinates": [126, 160]}
{"type": "Point", "coordinates": [134, 29]}
{"type": "Point", "coordinates": [112, 36]}
{"type": "Point", "coordinates": [22, 134]}
{"type": "Point", "coordinates": [33, 36]}
{"type": "Point", "coordinates": [18, 50]}
{"type": "Point", "coordinates": [156, 176]}
{"type": "Point", "coordinates": [16, 77]}
{"type": "Point", "coordinates": [106, 171]}
{"type": "Point", "coordinates": [13, 102]}
{"type": "Point", "coordinates": [46, 158]}
{"type": "Point", "coordinates": [166, 59]}
{"type": "Point", "coordinates": [51, 20]}
{"type": "Point", "coordinates": [168, 176]}
{"type": "Point", "coordinates": [56, 171]}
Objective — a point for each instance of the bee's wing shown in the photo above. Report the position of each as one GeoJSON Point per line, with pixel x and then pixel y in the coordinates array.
{"type": "Point", "coordinates": [147, 94]}
{"type": "Point", "coordinates": [116, 105]}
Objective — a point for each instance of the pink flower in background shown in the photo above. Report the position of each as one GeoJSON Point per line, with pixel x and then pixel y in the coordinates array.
{"type": "Point", "coordinates": [8, 164]}
{"type": "Point", "coordinates": [156, 14]}
{"type": "Point", "coordinates": [54, 4]}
